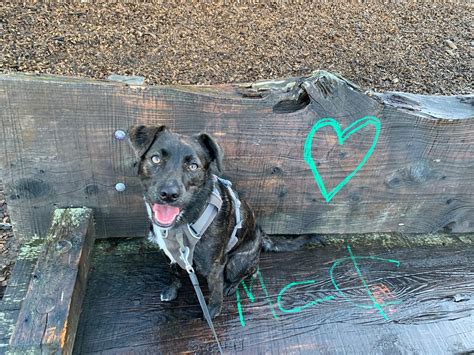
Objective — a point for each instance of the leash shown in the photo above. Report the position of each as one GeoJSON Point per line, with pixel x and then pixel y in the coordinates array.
{"type": "Point", "coordinates": [202, 302]}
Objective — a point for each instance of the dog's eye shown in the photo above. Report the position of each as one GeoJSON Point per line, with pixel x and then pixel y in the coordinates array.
{"type": "Point", "coordinates": [193, 166]}
{"type": "Point", "coordinates": [156, 159]}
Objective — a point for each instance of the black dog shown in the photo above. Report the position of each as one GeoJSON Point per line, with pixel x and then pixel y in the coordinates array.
{"type": "Point", "coordinates": [177, 173]}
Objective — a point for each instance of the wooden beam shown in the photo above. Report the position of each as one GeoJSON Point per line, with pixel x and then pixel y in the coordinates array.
{"type": "Point", "coordinates": [420, 301]}
{"type": "Point", "coordinates": [10, 304]}
{"type": "Point", "coordinates": [17, 288]}
{"type": "Point", "coordinates": [49, 314]}
{"type": "Point", "coordinates": [58, 149]}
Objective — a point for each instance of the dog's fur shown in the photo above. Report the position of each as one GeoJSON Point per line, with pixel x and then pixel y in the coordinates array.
{"type": "Point", "coordinates": [191, 190]}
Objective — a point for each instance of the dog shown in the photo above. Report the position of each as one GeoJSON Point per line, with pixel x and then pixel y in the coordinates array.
{"type": "Point", "coordinates": [179, 175]}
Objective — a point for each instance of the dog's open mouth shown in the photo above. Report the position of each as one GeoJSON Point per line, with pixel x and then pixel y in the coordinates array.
{"type": "Point", "coordinates": [165, 215]}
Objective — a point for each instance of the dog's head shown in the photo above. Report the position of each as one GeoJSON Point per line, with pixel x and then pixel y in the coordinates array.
{"type": "Point", "coordinates": [175, 170]}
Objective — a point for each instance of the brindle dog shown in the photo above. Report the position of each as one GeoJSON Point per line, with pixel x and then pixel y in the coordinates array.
{"type": "Point", "coordinates": [177, 174]}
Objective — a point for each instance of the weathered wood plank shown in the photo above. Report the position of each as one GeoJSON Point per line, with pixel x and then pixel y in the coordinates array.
{"type": "Point", "coordinates": [17, 288]}
{"type": "Point", "coordinates": [425, 298]}
{"type": "Point", "coordinates": [58, 149]}
{"type": "Point", "coordinates": [49, 314]}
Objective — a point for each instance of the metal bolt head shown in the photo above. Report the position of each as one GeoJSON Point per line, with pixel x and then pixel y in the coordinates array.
{"type": "Point", "coordinates": [120, 135]}
{"type": "Point", "coordinates": [120, 187]}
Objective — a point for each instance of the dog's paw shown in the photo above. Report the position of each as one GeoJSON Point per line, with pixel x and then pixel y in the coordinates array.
{"type": "Point", "coordinates": [168, 294]}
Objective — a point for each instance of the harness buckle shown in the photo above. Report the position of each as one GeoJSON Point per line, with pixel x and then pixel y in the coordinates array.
{"type": "Point", "coordinates": [193, 231]}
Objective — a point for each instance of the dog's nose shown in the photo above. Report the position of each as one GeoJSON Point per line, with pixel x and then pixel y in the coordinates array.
{"type": "Point", "coordinates": [169, 193]}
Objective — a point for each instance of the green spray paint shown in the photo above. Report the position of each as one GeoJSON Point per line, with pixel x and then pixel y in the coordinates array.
{"type": "Point", "coordinates": [309, 304]}
{"type": "Point", "coordinates": [354, 259]}
{"type": "Point", "coordinates": [375, 305]}
{"type": "Point", "coordinates": [341, 137]}
{"type": "Point", "coordinates": [248, 291]}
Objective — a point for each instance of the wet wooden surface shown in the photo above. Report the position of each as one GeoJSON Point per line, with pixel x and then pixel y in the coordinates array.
{"type": "Point", "coordinates": [49, 313]}
{"type": "Point", "coordinates": [327, 300]}
{"type": "Point", "coordinates": [58, 150]}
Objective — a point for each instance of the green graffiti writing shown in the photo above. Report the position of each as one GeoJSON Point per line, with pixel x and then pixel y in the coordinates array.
{"type": "Point", "coordinates": [352, 258]}
{"type": "Point", "coordinates": [341, 136]}
{"type": "Point", "coordinates": [309, 304]}
{"type": "Point", "coordinates": [249, 292]}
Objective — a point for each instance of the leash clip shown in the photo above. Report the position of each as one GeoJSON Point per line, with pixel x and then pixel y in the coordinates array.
{"type": "Point", "coordinates": [184, 256]}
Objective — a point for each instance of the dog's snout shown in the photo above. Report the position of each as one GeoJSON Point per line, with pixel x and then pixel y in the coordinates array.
{"type": "Point", "coordinates": [169, 193]}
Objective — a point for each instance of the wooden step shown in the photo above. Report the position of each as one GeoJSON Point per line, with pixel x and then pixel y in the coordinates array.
{"type": "Point", "coordinates": [47, 320]}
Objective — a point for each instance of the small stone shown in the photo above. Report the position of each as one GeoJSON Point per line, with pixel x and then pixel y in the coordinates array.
{"type": "Point", "coordinates": [395, 81]}
{"type": "Point", "coordinates": [127, 79]}
{"type": "Point", "coordinates": [451, 44]}
{"type": "Point", "coordinates": [451, 53]}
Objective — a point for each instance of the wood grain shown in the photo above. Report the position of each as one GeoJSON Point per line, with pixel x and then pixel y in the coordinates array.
{"type": "Point", "coordinates": [57, 149]}
{"type": "Point", "coordinates": [12, 300]}
{"type": "Point", "coordinates": [428, 299]}
{"type": "Point", "coordinates": [49, 314]}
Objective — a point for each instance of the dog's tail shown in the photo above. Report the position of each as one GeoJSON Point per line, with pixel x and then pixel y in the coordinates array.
{"type": "Point", "coordinates": [280, 243]}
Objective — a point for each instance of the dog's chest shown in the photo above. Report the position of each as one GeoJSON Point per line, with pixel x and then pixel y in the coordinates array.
{"type": "Point", "coordinates": [157, 236]}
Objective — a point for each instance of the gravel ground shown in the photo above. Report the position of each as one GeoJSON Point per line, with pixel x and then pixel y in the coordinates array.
{"type": "Point", "coordinates": [421, 47]}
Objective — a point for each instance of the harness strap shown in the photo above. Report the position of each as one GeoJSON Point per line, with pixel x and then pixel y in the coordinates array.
{"type": "Point", "coordinates": [238, 218]}
{"type": "Point", "coordinates": [204, 221]}
{"type": "Point", "coordinates": [195, 230]}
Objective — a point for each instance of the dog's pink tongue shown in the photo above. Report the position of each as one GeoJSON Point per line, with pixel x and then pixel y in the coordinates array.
{"type": "Point", "coordinates": [165, 214]}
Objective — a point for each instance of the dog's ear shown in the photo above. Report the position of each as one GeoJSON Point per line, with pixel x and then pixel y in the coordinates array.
{"type": "Point", "coordinates": [141, 137]}
{"type": "Point", "coordinates": [212, 149]}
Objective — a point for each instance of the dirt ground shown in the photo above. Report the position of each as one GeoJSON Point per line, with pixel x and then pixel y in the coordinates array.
{"type": "Point", "coordinates": [420, 47]}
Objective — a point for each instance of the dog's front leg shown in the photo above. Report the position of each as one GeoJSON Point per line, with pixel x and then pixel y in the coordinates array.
{"type": "Point", "coordinates": [170, 292]}
{"type": "Point", "coordinates": [215, 283]}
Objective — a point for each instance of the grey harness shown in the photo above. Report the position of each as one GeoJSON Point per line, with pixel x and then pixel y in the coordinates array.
{"type": "Point", "coordinates": [179, 243]}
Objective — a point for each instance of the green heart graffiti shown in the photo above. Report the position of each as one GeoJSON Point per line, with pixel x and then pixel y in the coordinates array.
{"type": "Point", "coordinates": [341, 136]}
